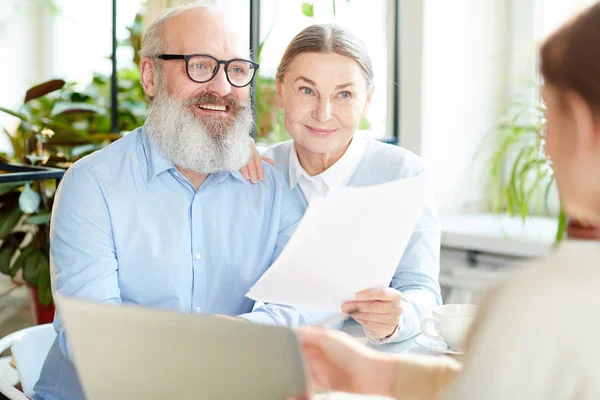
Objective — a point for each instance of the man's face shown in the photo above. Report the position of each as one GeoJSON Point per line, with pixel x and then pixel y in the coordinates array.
{"type": "Point", "coordinates": [200, 32]}
{"type": "Point", "coordinates": [203, 127]}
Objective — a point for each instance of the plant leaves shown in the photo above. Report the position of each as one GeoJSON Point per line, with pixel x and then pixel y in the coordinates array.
{"type": "Point", "coordinates": [39, 219]}
{"type": "Point", "coordinates": [562, 225]}
{"type": "Point", "coordinates": [13, 113]}
{"type": "Point", "coordinates": [8, 221]}
{"type": "Point", "coordinates": [43, 89]}
{"type": "Point", "coordinates": [26, 252]}
{"type": "Point", "coordinates": [71, 108]}
{"type": "Point", "coordinates": [308, 9]}
{"type": "Point", "coordinates": [29, 200]}
{"type": "Point", "coordinates": [32, 265]}
{"type": "Point", "coordinates": [9, 186]}
{"type": "Point", "coordinates": [44, 286]}
{"type": "Point", "coordinates": [5, 256]}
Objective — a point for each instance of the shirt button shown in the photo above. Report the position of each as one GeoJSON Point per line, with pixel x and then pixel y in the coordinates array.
{"type": "Point", "coordinates": [198, 256]}
{"type": "Point", "coordinates": [198, 310]}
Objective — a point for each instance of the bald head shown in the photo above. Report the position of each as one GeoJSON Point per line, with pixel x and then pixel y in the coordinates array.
{"type": "Point", "coordinates": [193, 29]}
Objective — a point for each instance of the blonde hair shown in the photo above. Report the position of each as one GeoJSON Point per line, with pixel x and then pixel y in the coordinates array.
{"type": "Point", "coordinates": [327, 38]}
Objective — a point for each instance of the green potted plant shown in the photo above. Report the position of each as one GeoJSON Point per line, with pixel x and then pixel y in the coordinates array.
{"type": "Point", "coordinates": [53, 131]}
{"type": "Point", "coordinates": [58, 125]}
{"type": "Point", "coordinates": [521, 178]}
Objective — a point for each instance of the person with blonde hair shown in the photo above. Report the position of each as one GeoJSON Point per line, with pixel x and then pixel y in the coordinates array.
{"type": "Point", "coordinates": [535, 335]}
{"type": "Point", "coordinates": [325, 84]}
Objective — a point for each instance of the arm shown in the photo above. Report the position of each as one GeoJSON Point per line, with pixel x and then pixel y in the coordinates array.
{"type": "Point", "coordinates": [274, 314]}
{"type": "Point", "coordinates": [82, 254]}
{"type": "Point", "coordinates": [339, 362]}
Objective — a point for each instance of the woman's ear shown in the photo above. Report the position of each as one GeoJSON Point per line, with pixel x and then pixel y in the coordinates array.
{"type": "Point", "coordinates": [586, 123]}
{"type": "Point", "coordinates": [147, 73]}
{"type": "Point", "coordinates": [370, 92]}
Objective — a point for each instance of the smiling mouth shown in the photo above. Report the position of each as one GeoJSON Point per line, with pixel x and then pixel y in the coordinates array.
{"type": "Point", "coordinates": [320, 131]}
{"type": "Point", "coordinates": [212, 107]}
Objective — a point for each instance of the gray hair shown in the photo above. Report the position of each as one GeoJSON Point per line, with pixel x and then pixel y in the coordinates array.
{"type": "Point", "coordinates": [153, 43]}
{"type": "Point", "coordinates": [327, 38]}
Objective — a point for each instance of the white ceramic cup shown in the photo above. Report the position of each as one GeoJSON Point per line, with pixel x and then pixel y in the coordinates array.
{"type": "Point", "coordinates": [451, 324]}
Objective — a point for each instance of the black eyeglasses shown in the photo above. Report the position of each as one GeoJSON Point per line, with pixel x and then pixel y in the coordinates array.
{"type": "Point", "coordinates": [202, 68]}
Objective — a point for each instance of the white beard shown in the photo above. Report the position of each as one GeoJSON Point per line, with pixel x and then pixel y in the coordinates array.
{"type": "Point", "coordinates": [203, 146]}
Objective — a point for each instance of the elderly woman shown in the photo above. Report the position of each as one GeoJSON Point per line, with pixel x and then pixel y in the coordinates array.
{"type": "Point", "coordinates": [534, 336]}
{"type": "Point", "coordinates": [325, 86]}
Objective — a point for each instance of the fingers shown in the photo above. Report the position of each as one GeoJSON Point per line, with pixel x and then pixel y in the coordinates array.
{"type": "Point", "coordinates": [372, 317]}
{"type": "Point", "coordinates": [245, 173]}
{"type": "Point", "coordinates": [382, 294]}
{"type": "Point", "coordinates": [268, 160]}
{"type": "Point", "coordinates": [252, 172]}
{"type": "Point", "coordinates": [377, 329]}
{"type": "Point", "coordinates": [375, 307]}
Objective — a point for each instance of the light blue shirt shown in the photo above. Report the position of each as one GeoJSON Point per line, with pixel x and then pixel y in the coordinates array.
{"type": "Point", "coordinates": [127, 227]}
{"type": "Point", "coordinates": [369, 162]}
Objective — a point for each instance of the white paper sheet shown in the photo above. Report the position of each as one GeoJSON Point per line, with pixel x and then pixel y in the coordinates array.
{"type": "Point", "coordinates": [350, 241]}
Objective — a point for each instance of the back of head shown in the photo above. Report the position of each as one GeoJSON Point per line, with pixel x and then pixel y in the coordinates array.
{"type": "Point", "coordinates": [570, 57]}
{"type": "Point", "coordinates": [327, 38]}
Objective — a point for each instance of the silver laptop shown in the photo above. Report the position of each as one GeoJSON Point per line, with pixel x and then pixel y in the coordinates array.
{"type": "Point", "coordinates": [127, 352]}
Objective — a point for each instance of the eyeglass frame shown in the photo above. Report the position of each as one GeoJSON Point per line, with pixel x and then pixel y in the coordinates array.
{"type": "Point", "coordinates": [226, 63]}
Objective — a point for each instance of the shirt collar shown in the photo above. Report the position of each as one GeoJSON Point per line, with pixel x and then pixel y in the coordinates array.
{"type": "Point", "coordinates": [156, 161]}
{"type": "Point", "coordinates": [339, 173]}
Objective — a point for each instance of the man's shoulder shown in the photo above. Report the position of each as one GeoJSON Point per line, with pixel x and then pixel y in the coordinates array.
{"type": "Point", "coordinates": [274, 176]}
{"type": "Point", "coordinates": [112, 158]}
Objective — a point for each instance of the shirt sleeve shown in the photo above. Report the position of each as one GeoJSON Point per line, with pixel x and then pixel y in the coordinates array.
{"type": "Point", "coordinates": [423, 377]}
{"type": "Point", "coordinates": [526, 343]}
{"type": "Point", "coordinates": [276, 314]}
{"type": "Point", "coordinates": [417, 275]}
{"type": "Point", "coordinates": [83, 261]}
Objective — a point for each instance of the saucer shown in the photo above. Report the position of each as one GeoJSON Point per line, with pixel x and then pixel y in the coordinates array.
{"type": "Point", "coordinates": [436, 345]}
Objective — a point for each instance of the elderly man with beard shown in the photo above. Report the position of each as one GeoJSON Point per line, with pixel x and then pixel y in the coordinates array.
{"type": "Point", "coordinates": [162, 217]}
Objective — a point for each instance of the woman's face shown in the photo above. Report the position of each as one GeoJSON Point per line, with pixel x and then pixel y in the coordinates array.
{"type": "Point", "coordinates": [323, 97]}
{"type": "Point", "coordinates": [572, 143]}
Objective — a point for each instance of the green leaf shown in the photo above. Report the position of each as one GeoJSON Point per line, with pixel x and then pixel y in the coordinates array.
{"type": "Point", "coordinates": [308, 9]}
{"type": "Point", "coordinates": [39, 219]}
{"type": "Point", "coordinates": [5, 256]}
{"type": "Point", "coordinates": [26, 252]}
{"type": "Point", "coordinates": [32, 265]}
{"type": "Point", "coordinates": [8, 186]}
{"type": "Point", "coordinates": [44, 286]}
{"type": "Point", "coordinates": [8, 221]}
{"type": "Point", "coordinates": [562, 225]}
{"type": "Point", "coordinates": [70, 108]}
{"type": "Point", "coordinates": [13, 113]}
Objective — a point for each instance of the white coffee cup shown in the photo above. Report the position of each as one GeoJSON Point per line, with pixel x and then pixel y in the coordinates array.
{"type": "Point", "coordinates": [451, 324]}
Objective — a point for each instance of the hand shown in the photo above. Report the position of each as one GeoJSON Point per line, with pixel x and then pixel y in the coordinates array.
{"type": "Point", "coordinates": [379, 310]}
{"type": "Point", "coordinates": [253, 171]}
{"type": "Point", "coordinates": [340, 363]}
